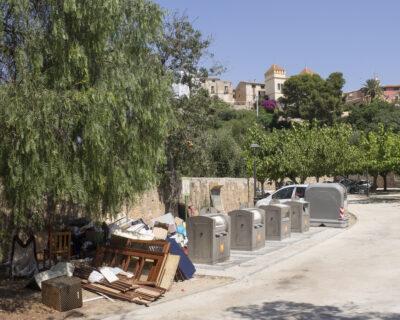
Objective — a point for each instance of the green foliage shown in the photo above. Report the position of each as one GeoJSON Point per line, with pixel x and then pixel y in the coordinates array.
{"type": "Point", "coordinates": [84, 106]}
{"type": "Point", "coordinates": [309, 97]}
{"type": "Point", "coordinates": [372, 89]}
{"type": "Point", "coordinates": [313, 151]}
{"type": "Point", "coordinates": [182, 48]}
{"type": "Point", "coordinates": [381, 151]}
{"type": "Point", "coordinates": [368, 117]}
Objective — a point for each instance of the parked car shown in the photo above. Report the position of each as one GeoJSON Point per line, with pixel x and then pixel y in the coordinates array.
{"type": "Point", "coordinates": [361, 186]}
{"type": "Point", "coordinates": [347, 183]}
{"type": "Point", "coordinates": [284, 194]}
{"type": "Point", "coordinates": [263, 195]}
{"type": "Point", "coordinates": [353, 186]}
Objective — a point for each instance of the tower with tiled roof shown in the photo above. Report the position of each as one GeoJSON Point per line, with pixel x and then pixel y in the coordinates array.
{"type": "Point", "coordinates": [307, 70]}
{"type": "Point", "coordinates": [275, 77]}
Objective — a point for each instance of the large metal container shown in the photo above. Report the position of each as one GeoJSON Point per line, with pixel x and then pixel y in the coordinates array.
{"type": "Point", "coordinates": [328, 204]}
{"type": "Point", "coordinates": [209, 238]}
{"type": "Point", "coordinates": [62, 293]}
{"type": "Point", "coordinates": [277, 221]}
{"type": "Point", "coordinates": [300, 215]}
{"type": "Point", "coordinates": [247, 229]}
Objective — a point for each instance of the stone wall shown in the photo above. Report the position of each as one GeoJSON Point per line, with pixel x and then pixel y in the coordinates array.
{"type": "Point", "coordinates": [228, 194]}
{"type": "Point", "coordinates": [233, 192]}
{"type": "Point", "coordinates": [148, 206]}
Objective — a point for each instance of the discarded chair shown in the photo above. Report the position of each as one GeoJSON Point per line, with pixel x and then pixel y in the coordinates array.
{"type": "Point", "coordinates": [59, 245]}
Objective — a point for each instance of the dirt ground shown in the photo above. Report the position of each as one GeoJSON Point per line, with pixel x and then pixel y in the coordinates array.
{"type": "Point", "coordinates": [20, 303]}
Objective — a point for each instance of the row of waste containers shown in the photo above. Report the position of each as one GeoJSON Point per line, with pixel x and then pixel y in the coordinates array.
{"type": "Point", "coordinates": [211, 236]}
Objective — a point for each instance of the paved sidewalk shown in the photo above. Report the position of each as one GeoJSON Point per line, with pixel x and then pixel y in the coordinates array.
{"type": "Point", "coordinates": [245, 263]}
{"type": "Point", "coordinates": [349, 274]}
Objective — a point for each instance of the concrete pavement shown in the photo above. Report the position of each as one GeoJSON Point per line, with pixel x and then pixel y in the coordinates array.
{"type": "Point", "coordinates": [352, 274]}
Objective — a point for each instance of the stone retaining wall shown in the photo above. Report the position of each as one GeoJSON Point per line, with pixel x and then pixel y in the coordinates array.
{"type": "Point", "coordinates": [233, 192]}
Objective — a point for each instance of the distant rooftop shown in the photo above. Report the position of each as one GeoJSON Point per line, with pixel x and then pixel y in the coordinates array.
{"type": "Point", "coordinates": [276, 69]}
{"type": "Point", "coordinates": [307, 70]}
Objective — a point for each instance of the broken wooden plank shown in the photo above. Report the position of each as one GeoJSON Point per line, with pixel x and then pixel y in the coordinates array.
{"type": "Point", "coordinates": [170, 269]}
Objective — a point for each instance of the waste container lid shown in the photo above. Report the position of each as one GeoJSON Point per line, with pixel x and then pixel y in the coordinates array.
{"type": "Point", "coordinates": [257, 215]}
{"type": "Point", "coordinates": [219, 221]}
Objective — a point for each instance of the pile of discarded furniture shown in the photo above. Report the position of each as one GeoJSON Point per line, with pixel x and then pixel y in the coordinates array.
{"type": "Point", "coordinates": [138, 271]}
{"type": "Point", "coordinates": [131, 261]}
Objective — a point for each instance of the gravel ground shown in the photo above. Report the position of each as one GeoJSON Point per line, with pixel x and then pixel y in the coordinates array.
{"type": "Point", "coordinates": [20, 303]}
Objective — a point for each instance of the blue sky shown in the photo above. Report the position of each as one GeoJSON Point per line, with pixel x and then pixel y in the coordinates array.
{"type": "Point", "coordinates": [357, 37]}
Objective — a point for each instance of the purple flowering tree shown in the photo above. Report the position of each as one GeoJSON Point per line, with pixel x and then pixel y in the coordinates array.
{"type": "Point", "coordinates": [269, 105]}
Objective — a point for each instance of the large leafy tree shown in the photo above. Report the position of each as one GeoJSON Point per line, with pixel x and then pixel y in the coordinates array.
{"type": "Point", "coordinates": [309, 97]}
{"type": "Point", "coordinates": [370, 116]}
{"type": "Point", "coordinates": [381, 152]}
{"type": "Point", "coordinates": [83, 105]}
{"type": "Point", "coordinates": [183, 50]}
{"type": "Point", "coordinates": [304, 151]}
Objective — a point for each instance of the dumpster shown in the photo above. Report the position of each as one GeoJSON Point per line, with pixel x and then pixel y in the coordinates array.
{"type": "Point", "coordinates": [277, 221]}
{"type": "Point", "coordinates": [328, 204]}
{"type": "Point", "coordinates": [209, 238]}
{"type": "Point", "coordinates": [300, 215]}
{"type": "Point", "coordinates": [247, 229]}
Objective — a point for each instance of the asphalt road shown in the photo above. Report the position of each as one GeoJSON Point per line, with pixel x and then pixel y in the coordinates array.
{"type": "Point", "coordinates": [353, 275]}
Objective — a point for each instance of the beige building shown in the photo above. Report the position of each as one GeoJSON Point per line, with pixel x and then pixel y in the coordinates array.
{"type": "Point", "coordinates": [221, 88]}
{"type": "Point", "coordinates": [247, 93]}
{"type": "Point", "coordinates": [275, 77]}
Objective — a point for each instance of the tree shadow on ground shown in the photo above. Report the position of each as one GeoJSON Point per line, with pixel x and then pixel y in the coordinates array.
{"type": "Point", "coordinates": [287, 310]}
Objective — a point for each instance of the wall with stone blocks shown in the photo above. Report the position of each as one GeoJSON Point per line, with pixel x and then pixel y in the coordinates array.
{"type": "Point", "coordinates": [148, 206]}
{"type": "Point", "coordinates": [234, 192]}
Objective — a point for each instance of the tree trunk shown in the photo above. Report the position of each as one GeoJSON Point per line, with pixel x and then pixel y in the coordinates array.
{"type": "Point", "coordinates": [317, 178]}
{"type": "Point", "coordinates": [375, 183]}
{"type": "Point", "coordinates": [384, 176]}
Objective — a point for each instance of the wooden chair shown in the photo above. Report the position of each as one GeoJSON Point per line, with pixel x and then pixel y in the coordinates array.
{"type": "Point", "coordinates": [59, 245]}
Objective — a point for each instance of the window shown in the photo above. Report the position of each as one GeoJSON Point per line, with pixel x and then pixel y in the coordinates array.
{"type": "Point", "coordinates": [226, 89]}
{"type": "Point", "coordinates": [263, 86]}
{"type": "Point", "coordinates": [212, 89]}
{"type": "Point", "coordinates": [285, 193]}
{"type": "Point", "coordinates": [300, 192]}
{"type": "Point", "coordinates": [279, 87]}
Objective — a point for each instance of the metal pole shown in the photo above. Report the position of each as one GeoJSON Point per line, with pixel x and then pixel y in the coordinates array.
{"type": "Point", "coordinates": [257, 105]}
{"type": "Point", "coordinates": [254, 146]}
{"type": "Point", "coordinates": [367, 184]}
{"type": "Point", "coordinates": [255, 178]}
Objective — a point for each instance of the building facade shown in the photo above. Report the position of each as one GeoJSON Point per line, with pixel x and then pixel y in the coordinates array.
{"type": "Point", "coordinates": [275, 77]}
{"type": "Point", "coordinates": [391, 93]}
{"type": "Point", "coordinates": [220, 88]}
{"type": "Point", "coordinates": [247, 94]}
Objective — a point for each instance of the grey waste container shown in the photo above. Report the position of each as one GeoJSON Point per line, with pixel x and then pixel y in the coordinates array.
{"type": "Point", "coordinates": [328, 204]}
{"type": "Point", "coordinates": [277, 221]}
{"type": "Point", "coordinates": [209, 238]}
{"type": "Point", "coordinates": [247, 229]}
{"type": "Point", "coordinates": [300, 215]}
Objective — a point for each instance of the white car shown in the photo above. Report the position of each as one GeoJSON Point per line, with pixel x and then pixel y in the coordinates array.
{"type": "Point", "coordinates": [284, 194]}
